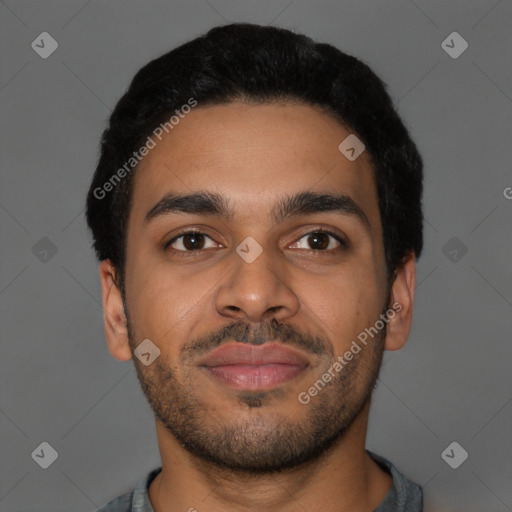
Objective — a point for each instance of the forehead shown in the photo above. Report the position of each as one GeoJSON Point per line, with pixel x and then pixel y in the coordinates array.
{"type": "Point", "coordinates": [253, 154]}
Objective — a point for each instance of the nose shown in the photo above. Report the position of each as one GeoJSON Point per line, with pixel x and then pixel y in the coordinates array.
{"type": "Point", "coordinates": [257, 290]}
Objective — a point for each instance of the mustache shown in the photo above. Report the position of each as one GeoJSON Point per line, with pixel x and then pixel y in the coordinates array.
{"type": "Point", "coordinates": [259, 334]}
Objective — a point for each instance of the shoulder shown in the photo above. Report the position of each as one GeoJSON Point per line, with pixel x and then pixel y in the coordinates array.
{"type": "Point", "coordinates": [404, 495]}
{"type": "Point", "coordinates": [136, 500]}
{"type": "Point", "coordinates": [122, 503]}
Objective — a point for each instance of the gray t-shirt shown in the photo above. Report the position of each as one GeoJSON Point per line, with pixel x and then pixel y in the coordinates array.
{"type": "Point", "coordinates": [403, 496]}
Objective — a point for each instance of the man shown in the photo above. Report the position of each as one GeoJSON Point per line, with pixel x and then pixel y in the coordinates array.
{"type": "Point", "coordinates": [257, 213]}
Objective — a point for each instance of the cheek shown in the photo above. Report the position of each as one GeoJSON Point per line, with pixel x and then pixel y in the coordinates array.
{"type": "Point", "coordinates": [346, 303]}
{"type": "Point", "coordinates": [164, 302]}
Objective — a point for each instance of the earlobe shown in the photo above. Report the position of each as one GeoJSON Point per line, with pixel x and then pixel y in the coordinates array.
{"type": "Point", "coordinates": [402, 302]}
{"type": "Point", "coordinates": [114, 317]}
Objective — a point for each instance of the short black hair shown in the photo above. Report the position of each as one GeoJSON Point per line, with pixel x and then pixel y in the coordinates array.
{"type": "Point", "coordinates": [255, 63]}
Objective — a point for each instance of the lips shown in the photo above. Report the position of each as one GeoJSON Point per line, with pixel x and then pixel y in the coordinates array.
{"type": "Point", "coordinates": [268, 353]}
{"type": "Point", "coordinates": [254, 367]}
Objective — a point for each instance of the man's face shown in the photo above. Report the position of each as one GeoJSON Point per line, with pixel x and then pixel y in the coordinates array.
{"type": "Point", "coordinates": [305, 291]}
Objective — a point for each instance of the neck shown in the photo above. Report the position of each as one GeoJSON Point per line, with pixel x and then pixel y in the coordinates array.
{"type": "Point", "coordinates": [343, 478]}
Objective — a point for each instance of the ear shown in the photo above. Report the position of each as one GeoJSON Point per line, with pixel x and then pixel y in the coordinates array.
{"type": "Point", "coordinates": [402, 302]}
{"type": "Point", "coordinates": [114, 318]}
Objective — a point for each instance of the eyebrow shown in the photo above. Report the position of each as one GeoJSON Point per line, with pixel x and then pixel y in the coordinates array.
{"type": "Point", "coordinates": [302, 203]}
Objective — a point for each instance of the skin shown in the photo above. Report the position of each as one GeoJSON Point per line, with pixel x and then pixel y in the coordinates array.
{"type": "Point", "coordinates": [254, 155]}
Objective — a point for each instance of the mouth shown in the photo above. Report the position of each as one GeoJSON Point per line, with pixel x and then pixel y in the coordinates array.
{"type": "Point", "coordinates": [250, 367]}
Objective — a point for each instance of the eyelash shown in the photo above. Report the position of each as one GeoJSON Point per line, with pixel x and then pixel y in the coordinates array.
{"type": "Point", "coordinates": [343, 243]}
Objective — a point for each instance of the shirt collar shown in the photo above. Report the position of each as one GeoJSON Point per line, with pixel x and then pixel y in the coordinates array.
{"type": "Point", "coordinates": [396, 494]}
{"type": "Point", "coordinates": [140, 500]}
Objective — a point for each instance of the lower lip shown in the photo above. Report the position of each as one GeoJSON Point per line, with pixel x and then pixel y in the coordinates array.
{"type": "Point", "coordinates": [255, 377]}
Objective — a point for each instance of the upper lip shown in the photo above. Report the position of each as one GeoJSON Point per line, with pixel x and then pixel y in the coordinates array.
{"type": "Point", "coordinates": [268, 353]}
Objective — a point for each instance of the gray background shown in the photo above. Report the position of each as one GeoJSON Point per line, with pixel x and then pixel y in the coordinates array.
{"type": "Point", "coordinates": [60, 384]}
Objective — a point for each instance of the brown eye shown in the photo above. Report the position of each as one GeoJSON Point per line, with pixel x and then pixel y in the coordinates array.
{"type": "Point", "coordinates": [320, 241]}
{"type": "Point", "coordinates": [188, 242]}
{"type": "Point", "coordinates": [193, 241]}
